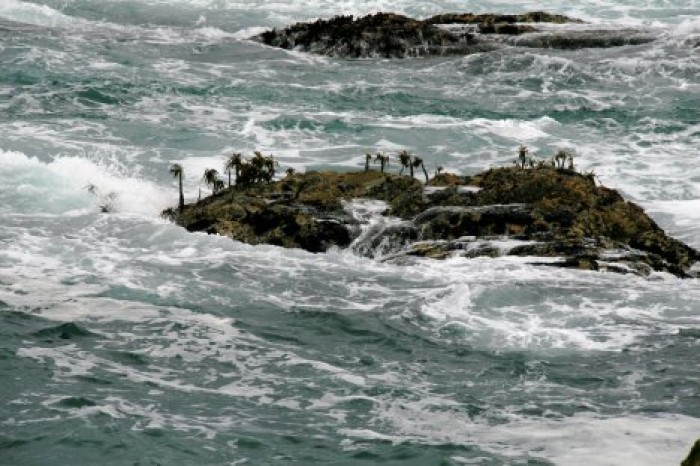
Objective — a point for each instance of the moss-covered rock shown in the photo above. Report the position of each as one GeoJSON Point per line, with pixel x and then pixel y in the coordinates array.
{"type": "Point", "coordinates": [542, 212]}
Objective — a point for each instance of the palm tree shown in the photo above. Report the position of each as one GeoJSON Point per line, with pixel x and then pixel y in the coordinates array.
{"type": "Point", "coordinates": [562, 157]}
{"type": "Point", "coordinates": [418, 162]}
{"type": "Point", "coordinates": [523, 151]}
{"type": "Point", "coordinates": [233, 163]}
{"type": "Point", "coordinates": [211, 178]}
{"type": "Point", "coordinates": [177, 172]}
{"type": "Point", "coordinates": [382, 159]}
{"type": "Point", "coordinates": [290, 172]}
{"type": "Point", "coordinates": [368, 159]}
{"type": "Point", "coordinates": [269, 165]}
{"type": "Point", "coordinates": [404, 160]}
{"type": "Point", "coordinates": [219, 185]}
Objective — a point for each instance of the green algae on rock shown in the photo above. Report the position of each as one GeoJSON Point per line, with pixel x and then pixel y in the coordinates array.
{"type": "Point", "coordinates": [539, 212]}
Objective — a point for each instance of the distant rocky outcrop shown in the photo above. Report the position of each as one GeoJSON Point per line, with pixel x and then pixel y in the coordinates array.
{"type": "Point", "coordinates": [390, 35]}
{"type": "Point", "coordinates": [541, 211]}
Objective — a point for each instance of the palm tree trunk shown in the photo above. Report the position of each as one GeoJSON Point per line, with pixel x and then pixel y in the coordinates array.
{"type": "Point", "coordinates": [425, 172]}
{"type": "Point", "coordinates": [181, 205]}
{"type": "Point", "coordinates": [401, 171]}
{"type": "Point", "coordinates": [229, 178]}
{"type": "Point", "coordinates": [411, 170]}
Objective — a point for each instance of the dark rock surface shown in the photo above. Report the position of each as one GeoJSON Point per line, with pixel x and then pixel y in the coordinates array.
{"type": "Point", "coordinates": [537, 212]}
{"type": "Point", "coordinates": [390, 35]}
{"type": "Point", "coordinates": [693, 458]}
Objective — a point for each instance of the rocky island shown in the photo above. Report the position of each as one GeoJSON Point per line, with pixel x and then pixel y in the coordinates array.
{"type": "Point", "coordinates": [390, 35]}
{"type": "Point", "coordinates": [543, 209]}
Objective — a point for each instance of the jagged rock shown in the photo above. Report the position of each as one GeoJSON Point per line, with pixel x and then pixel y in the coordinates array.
{"type": "Point", "coordinates": [381, 35]}
{"type": "Point", "coordinates": [455, 221]}
{"type": "Point", "coordinates": [471, 18]}
{"type": "Point", "coordinates": [536, 212]}
{"type": "Point", "coordinates": [582, 39]}
{"type": "Point", "coordinates": [390, 35]}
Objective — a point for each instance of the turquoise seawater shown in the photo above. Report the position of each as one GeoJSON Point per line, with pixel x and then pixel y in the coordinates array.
{"type": "Point", "coordinates": [125, 340]}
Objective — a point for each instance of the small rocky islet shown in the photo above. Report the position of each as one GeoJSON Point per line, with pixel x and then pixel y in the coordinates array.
{"type": "Point", "coordinates": [539, 210]}
{"type": "Point", "coordinates": [391, 35]}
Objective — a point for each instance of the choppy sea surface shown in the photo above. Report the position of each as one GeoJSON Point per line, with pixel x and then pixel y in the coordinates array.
{"type": "Point", "coordinates": [126, 340]}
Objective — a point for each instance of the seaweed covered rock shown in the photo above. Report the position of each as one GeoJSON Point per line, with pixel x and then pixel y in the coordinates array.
{"type": "Point", "coordinates": [541, 212]}
{"type": "Point", "coordinates": [389, 35]}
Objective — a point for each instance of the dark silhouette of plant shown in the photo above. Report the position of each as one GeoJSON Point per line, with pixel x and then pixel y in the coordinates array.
{"type": "Point", "coordinates": [211, 178]}
{"type": "Point", "coordinates": [219, 185]}
{"type": "Point", "coordinates": [368, 159]}
{"type": "Point", "coordinates": [418, 162]}
{"type": "Point", "coordinates": [562, 158]}
{"type": "Point", "coordinates": [290, 172]}
{"type": "Point", "coordinates": [177, 172]}
{"type": "Point", "coordinates": [523, 153]}
{"type": "Point", "coordinates": [439, 170]}
{"type": "Point", "coordinates": [405, 160]}
{"type": "Point", "coordinates": [590, 176]}
{"type": "Point", "coordinates": [382, 159]}
{"type": "Point", "coordinates": [259, 169]}
{"type": "Point", "coordinates": [233, 164]}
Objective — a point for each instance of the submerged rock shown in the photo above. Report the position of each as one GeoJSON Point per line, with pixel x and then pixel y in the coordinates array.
{"type": "Point", "coordinates": [390, 35]}
{"type": "Point", "coordinates": [537, 212]}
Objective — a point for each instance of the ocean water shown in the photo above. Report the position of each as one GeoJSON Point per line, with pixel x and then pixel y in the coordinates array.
{"type": "Point", "coordinates": [125, 340]}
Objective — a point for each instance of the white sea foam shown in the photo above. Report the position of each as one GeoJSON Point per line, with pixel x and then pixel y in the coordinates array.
{"type": "Point", "coordinates": [61, 186]}
{"type": "Point", "coordinates": [578, 440]}
{"type": "Point", "coordinates": [31, 13]}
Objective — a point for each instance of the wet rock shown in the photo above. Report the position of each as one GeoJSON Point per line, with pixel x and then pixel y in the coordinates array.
{"type": "Point", "coordinates": [389, 35]}
{"type": "Point", "coordinates": [574, 40]}
{"type": "Point", "coordinates": [381, 35]}
{"type": "Point", "coordinates": [382, 241]}
{"type": "Point", "coordinates": [456, 221]}
{"type": "Point", "coordinates": [471, 18]}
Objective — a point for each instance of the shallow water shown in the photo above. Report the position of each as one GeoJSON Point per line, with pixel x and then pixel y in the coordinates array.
{"type": "Point", "coordinates": [126, 340]}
